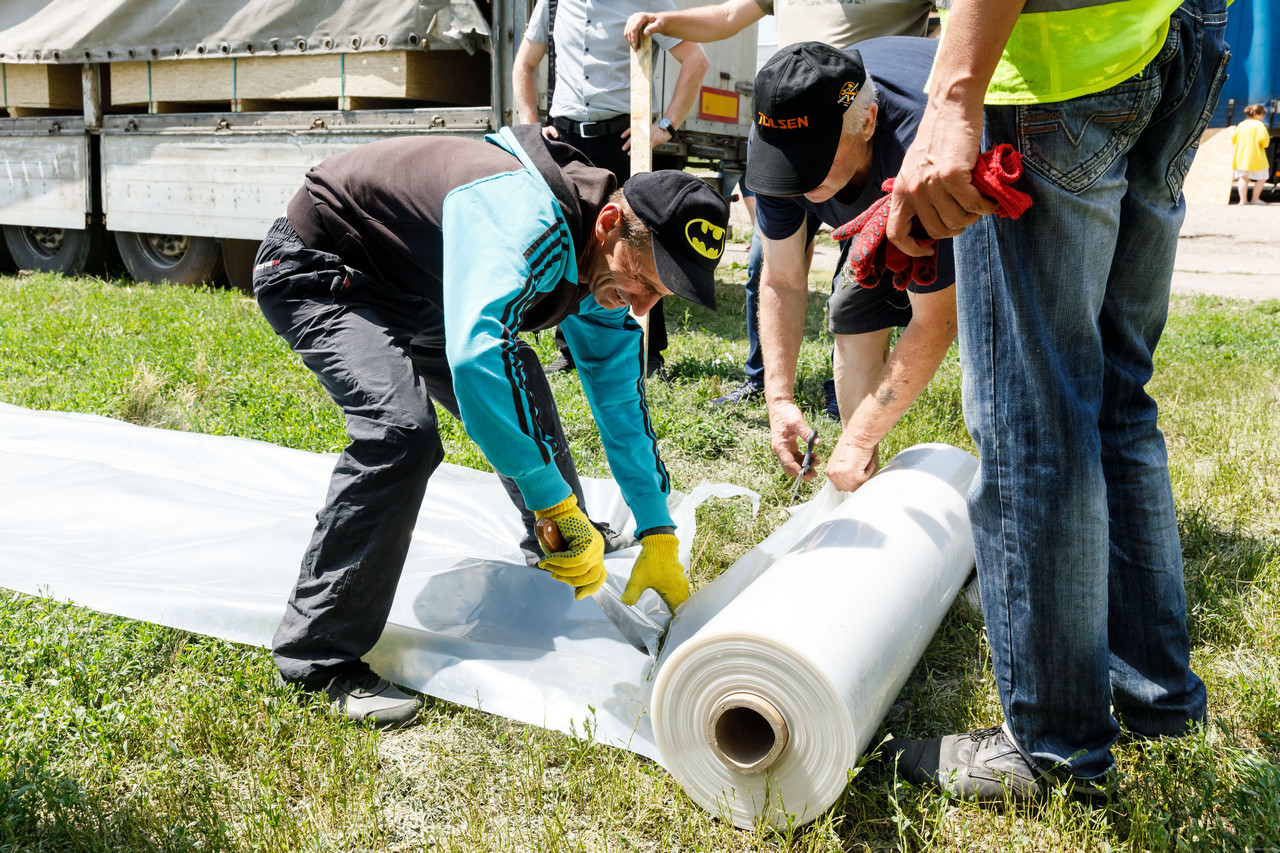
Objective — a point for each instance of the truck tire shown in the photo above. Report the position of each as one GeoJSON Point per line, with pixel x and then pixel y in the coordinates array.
{"type": "Point", "coordinates": [237, 258]}
{"type": "Point", "coordinates": [174, 258]}
{"type": "Point", "coordinates": [66, 250]}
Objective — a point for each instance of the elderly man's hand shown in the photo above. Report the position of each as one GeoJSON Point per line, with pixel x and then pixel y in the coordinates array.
{"type": "Point", "coordinates": [658, 568]}
{"type": "Point", "coordinates": [852, 462]}
{"type": "Point", "coordinates": [580, 560]}
{"type": "Point", "coordinates": [789, 436]}
{"type": "Point", "coordinates": [641, 24]}
{"type": "Point", "coordinates": [935, 183]}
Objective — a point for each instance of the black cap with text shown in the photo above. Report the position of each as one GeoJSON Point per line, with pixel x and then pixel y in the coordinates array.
{"type": "Point", "coordinates": [801, 97]}
{"type": "Point", "coordinates": [689, 222]}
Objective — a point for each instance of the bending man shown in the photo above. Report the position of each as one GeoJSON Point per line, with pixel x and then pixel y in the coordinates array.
{"type": "Point", "coordinates": [402, 275]}
{"type": "Point", "coordinates": [831, 125]}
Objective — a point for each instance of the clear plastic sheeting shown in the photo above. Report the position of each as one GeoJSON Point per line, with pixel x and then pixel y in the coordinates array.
{"type": "Point", "coordinates": [771, 681]}
{"type": "Point", "coordinates": [778, 674]}
{"type": "Point", "coordinates": [205, 533]}
{"type": "Point", "coordinates": [124, 30]}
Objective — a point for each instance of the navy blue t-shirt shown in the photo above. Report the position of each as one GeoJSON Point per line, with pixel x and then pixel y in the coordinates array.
{"type": "Point", "coordinates": [900, 66]}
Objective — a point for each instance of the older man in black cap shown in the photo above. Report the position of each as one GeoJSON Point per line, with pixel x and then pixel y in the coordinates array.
{"type": "Point", "coordinates": [831, 125]}
{"type": "Point", "coordinates": [402, 275]}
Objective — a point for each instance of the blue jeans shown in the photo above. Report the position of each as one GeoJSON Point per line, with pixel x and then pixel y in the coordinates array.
{"type": "Point", "coordinates": [754, 368]}
{"type": "Point", "coordinates": [1060, 311]}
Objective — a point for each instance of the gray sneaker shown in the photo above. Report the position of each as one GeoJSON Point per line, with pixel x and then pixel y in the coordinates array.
{"type": "Point", "coordinates": [747, 392]}
{"type": "Point", "coordinates": [364, 696]}
{"type": "Point", "coordinates": [983, 766]}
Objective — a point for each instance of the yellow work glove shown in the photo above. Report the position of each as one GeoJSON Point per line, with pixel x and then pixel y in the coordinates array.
{"type": "Point", "coordinates": [658, 568]}
{"type": "Point", "coordinates": [580, 562]}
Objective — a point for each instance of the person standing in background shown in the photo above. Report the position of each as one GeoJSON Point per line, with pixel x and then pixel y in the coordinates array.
{"type": "Point", "coordinates": [1249, 158]}
{"type": "Point", "coordinates": [589, 85]}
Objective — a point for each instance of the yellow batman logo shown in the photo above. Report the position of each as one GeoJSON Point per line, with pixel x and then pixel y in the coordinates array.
{"type": "Point", "coordinates": [697, 233]}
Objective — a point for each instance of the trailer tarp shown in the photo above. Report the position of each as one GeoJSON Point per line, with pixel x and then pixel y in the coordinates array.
{"type": "Point", "coordinates": [71, 31]}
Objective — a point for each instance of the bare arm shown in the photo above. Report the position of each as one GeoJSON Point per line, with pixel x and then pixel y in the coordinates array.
{"type": "Point", "coordinates": [524, 80]}
{"type": "Point", "coordinates": [909, 368]}
{"type": "Point", "coordinates": [693, 67]}
{"type": "Point", "coordinates": [699, 24]}
{"type": "Point", "coordinates": [934, 183]}
{"type": "Point", "coordinates": [784, 293]}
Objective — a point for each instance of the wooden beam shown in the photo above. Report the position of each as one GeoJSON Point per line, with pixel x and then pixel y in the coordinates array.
{"type": "Point", "coordinates": [641, 120]}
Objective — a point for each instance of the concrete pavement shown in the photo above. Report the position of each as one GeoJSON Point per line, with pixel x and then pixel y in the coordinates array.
{"type": "Point", "coordinates": [1231, 251]}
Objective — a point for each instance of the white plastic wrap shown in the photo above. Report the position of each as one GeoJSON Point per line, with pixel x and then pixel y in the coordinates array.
{"type": "Point", "coordinates": [816, 628]}
{"type": "Point", "coordinates": [774, 681]}
{"type": "Point", "coordinates": [205, 533]}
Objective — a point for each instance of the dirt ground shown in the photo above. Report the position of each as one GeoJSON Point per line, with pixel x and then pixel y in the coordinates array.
{"type": "Point", "coordinates": [1231, 251]}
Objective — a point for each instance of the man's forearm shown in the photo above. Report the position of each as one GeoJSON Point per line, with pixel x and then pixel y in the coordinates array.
{"type": "Point", "coordinates": [975, 36]}
{"type": "Point", "coordinates": [700, 24]}
{"type": "Point", "coordinates": [909, 369]}
{"type": "Point", "coordinates": [782, 309]}
{"type": "Point", "coordinates": [693, 67]}
{"type": "Point", "coordinates": [524, 80]}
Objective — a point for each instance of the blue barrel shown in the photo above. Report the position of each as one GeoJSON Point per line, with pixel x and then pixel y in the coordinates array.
{"type": "Point", "coordinates": [1253, 31]}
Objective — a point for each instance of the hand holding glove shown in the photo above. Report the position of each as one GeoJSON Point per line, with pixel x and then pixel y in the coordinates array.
{"type": "Point", "coordinates": [580, 562]}
{"type": "Point", "coordinates": [658, 568]}
{"type": "Point", "coordinates": [872, 252]}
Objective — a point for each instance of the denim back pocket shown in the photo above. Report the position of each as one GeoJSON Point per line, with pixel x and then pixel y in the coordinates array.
{"type": "Point", "coordinates": [1073, 143]}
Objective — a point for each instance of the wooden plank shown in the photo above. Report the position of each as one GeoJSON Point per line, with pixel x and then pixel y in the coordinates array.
{"type": "Point", "coordinates": [451, 77]}
{"type": "Point", "coordinates": [41, 87]}
{"type": "Point", "coordinates": [183, 81]}
{"type": "Point", "coordinates": [641, 119]}
{"type": "Point", "coordinates": [274, 78]}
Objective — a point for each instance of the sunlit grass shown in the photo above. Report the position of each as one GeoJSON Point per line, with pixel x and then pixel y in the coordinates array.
{"type": "Point", "coordinates": [120, 735]}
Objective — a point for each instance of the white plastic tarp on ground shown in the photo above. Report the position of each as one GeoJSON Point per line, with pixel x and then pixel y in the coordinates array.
{"type": "Point", "coordinates": [205, 533]}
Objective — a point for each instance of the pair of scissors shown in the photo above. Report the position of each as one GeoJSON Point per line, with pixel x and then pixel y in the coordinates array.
{"type": "Point", "coordinates": [805, 466]}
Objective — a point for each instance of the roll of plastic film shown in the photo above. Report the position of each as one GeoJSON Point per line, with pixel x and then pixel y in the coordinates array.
{"type": "Point", "coordinates": [762, 711]}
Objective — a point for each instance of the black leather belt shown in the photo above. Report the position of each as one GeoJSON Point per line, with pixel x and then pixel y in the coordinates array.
{"type": "Point", "coordinates": [592, 129]}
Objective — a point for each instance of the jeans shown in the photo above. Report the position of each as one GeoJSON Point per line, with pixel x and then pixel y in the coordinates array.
{"type": "Point", "coordinates": [754, 367]}
{"type": "Point", "coordinates": [380, 356]}
{"type": "Point", "coordinates": [1077, 545]}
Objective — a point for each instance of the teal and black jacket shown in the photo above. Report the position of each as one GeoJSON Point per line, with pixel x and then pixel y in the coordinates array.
{"type": "Point", "coordinates": [490, 232]}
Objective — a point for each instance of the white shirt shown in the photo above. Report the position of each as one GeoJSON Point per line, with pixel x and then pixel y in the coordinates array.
{"type": "Point", "coordinates": [593, 59]}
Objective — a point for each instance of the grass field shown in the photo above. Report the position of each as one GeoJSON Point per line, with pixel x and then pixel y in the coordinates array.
{"type": "Point", "coordinates": [120, 735]}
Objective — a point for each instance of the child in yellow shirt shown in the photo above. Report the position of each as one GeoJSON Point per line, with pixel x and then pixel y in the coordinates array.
{"type": "Point", "coordinates": [1249, 160]}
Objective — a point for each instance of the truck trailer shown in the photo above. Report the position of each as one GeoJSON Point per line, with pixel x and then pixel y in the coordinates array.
{"type": "Point", "coordinates": [171, 133]}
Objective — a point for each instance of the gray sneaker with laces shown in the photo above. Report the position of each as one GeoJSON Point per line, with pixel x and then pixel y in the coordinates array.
{"type": "Point", "coordinates": [747, 392]}
{"type": "Point", "coordinates": [367, 697]}
{"type": "Point", "coordinates": [983, 766]}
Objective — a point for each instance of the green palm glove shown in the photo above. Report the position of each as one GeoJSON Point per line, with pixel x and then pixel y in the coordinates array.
{"type": "Point", "coordinates": [658, 568]}
{"type": "Point", "coordinates": [579, 559]}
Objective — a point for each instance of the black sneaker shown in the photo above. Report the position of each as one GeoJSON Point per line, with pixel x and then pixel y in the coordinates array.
{"type": "Point", "coordinates": [364, 696]}
{"type": "Point", "coordinates": [982, 766]}
{"type": "Point", "coordinates": [562, 363]}
{"type": "Point", "coordinates": [833, 404]}
{"type": "Point", "coordinates": [655, 368]}
{"type": "Point", "coordinates": [747, 392]}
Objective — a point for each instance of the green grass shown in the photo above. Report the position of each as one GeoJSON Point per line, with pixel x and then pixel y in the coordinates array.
{"type": "Point", "coordinates": [121, 735]}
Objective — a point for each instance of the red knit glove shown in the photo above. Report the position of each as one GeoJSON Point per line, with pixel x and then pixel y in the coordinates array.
{"type": "Point", "coordinates": [993, 175]}
{"type": "Point", "coordinates": [872, 252]}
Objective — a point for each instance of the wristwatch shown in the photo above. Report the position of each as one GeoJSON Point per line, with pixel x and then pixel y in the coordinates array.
{"type": "Point", "coordinates": [664, 123]}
